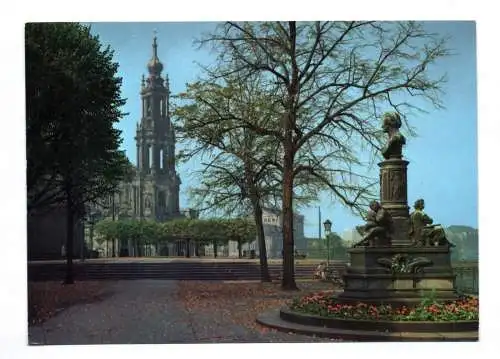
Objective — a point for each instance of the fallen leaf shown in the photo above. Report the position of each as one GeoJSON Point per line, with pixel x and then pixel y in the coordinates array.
{"type": "Point", "coordinates": [46, 299]}
{"type": "Point", "coordinates": [251, 299]}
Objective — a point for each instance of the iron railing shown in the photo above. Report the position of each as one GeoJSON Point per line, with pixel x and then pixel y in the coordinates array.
{"type": "Point", "coordinates": [467, 276]}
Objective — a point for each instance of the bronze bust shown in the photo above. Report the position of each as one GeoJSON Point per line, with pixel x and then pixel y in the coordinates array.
{"type": "Point", "coordinates": [391, 124]}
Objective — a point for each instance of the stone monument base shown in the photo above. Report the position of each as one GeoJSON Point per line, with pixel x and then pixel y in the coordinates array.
{"type": "Point", "coordinates": [398, 275]}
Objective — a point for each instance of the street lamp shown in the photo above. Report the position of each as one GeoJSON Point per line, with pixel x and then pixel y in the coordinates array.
{"type": "Point", "coordinates": [117, 209]}
{"type": "Point", "coordinates": [328, 229]}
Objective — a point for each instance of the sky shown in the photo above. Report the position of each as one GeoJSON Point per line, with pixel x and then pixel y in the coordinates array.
{"type": "Point", "coordinates": [443, 157]}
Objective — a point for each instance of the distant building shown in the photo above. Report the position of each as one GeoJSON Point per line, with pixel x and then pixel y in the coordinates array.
{"type": "Point", "coordinates": [273, 221]}
{"type": "Point", "coordinates": [351, 236]}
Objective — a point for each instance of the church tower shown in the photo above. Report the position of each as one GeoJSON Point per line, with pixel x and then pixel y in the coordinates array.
{"type": "Point", "coordinates": [156, 190]}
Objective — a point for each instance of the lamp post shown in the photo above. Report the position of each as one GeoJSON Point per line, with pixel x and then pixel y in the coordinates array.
{"type": "Point", "coordinates": [328, 228]}
{"type": "Point", "coordinates": [117, 209]}
{"type": "Point", "coordinates": [82, 252]}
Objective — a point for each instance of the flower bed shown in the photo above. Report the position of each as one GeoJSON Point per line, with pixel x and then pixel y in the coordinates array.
{"type": "Point", "coordinates": [327, 305]}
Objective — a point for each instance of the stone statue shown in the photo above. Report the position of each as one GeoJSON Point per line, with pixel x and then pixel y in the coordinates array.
{"type": "Point", "coordinates": [320, 272]}
{"type": "Point", "coordinates": [378, 228]}
{"type": "Point", "coordinates": [396, 185]}
{"type": "Point", "coordinates": [422, 230]}
{"type": "Point", "coordinates": [394, 147]}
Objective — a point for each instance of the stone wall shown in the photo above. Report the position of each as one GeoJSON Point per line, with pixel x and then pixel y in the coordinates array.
{"type": "Point", "coordinates": [47, 235]}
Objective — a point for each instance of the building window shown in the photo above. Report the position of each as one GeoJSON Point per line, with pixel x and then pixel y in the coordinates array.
{"type": "Point", "coordinates": [150, 156]}
{"type": "Point", "coordinates": [135, 199]}
{"type": "Point", "coordinates": [161, 199]}
{"type": "Point", "coordinates": [161, 158]}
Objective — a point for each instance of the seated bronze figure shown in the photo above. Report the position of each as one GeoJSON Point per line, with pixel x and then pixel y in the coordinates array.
{"type": "Point", "coordinates": [422, 231]}
{"type": "Point", "coordinates": [378, 228]}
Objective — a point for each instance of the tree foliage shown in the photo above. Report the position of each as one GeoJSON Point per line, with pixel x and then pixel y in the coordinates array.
{"type": "Point", "coordinates": [202, 231]}
{"type": "Point", "coordinates": [238, 165]}
{"type": "Point", "coordinates": [72, 104]}
{"type": "Point", "coordinates": [318, 248]}
{"type": "Point", "coordinates": [236, 177]}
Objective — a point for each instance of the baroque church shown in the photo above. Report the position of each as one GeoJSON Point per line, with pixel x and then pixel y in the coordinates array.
{"type": "Point", "coordinates": [154, 192]}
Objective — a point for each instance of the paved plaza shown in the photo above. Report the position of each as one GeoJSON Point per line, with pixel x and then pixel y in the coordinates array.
{"type": "Point", "coordinates": [146, 312]}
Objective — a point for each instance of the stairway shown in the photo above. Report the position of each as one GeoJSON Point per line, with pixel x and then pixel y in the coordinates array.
{"type": "Point", "coordinates": [189, 270]}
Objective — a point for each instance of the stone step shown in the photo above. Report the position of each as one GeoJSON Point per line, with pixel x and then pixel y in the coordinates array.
{"type": "Point", "coordinates": [181, 275]}
{"type": "Point", "coordinates": [165, 270]}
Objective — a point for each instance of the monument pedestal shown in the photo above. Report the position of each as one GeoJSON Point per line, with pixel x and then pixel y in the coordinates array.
{"type": "Point", "coordinates": [390, 268]}
{"type": "Point", "coordinates": [393, 197]}
{"type": "Point", "coordinates": [398, 275]}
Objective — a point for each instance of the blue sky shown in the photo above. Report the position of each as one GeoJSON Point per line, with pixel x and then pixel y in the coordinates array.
{"type": "Point", "coordinates": [443, 158]}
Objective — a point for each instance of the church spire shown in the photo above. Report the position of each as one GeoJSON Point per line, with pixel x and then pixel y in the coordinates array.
{"type": "Point", "coordinates": [154, 65]}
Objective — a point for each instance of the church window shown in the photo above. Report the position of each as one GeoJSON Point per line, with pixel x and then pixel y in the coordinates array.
{"type": "Point", "coordinates": [135, 199]}
{"type": "Point", "coordinates": [161, 199]}
{"type": "Point", "coordinates": [161, 158]}
{"type": "Point", "coordinates": [150, 156]}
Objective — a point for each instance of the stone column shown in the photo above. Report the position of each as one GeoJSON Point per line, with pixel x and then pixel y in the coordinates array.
{"type": "Point", "coordinates": [394, 196]}
{"type": "Point", "coordinates": [138, 156]}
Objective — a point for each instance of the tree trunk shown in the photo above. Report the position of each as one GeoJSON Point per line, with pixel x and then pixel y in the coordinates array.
{"type": "Point", "coordinates": [197, 249]}
{"type": "Point", "coordinates": [289, 123]}
{"type": "Point", "coordinates": [215, 249]}
{"type": "Point", "coordinates": [239, 249]}
{"type": "Point", "coordinates": [288, 280]}
{"type": "Point", "coordinates": [251, 184]}
{"type": "Point", "coordinates": [130, 246]}
{"type": "Point", "coordinates": [264, 268]}
{"type": "Point", "coordinates": [69, 243]}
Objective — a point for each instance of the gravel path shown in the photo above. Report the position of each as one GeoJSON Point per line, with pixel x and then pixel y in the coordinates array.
{"type": "Point", "coordinates": [146, 312]}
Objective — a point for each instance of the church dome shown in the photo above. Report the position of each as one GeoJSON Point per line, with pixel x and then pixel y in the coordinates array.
{"type": "Point", "coordinates": [155, 66]}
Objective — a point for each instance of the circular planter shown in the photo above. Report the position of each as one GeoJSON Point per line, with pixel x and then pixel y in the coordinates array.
{"type": "Point", "coordinates": [378, 325]}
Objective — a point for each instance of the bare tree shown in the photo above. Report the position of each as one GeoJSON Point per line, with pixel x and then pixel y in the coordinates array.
{"type": "Point", "coordinates": [329, 83]}
{"type": "Point", "coordinates": [239, 173]}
